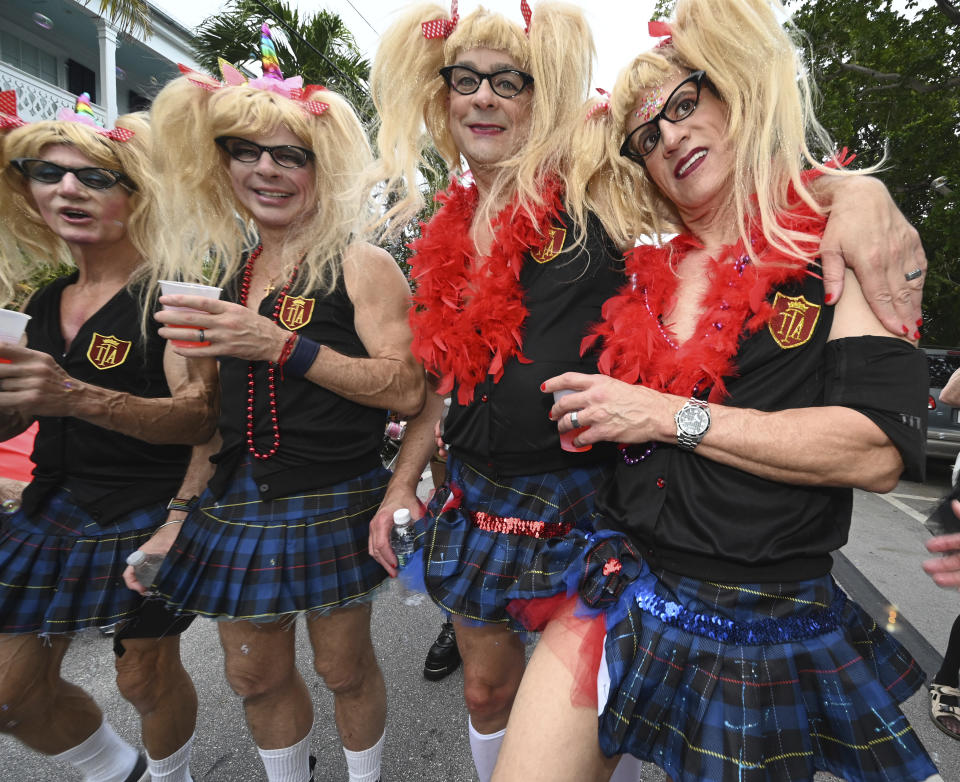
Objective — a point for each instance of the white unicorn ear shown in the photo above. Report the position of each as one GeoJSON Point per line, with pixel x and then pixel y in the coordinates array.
{"type": "Point", "coordinates": [231, 75]}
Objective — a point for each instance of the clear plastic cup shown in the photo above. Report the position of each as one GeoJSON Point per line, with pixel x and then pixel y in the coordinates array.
{"type": "Point", "coordinates": [12, 326]}
{"type": "Point", "coordinates": [566, 438]}
{"type": "Point", "coordinates": [173, 288]}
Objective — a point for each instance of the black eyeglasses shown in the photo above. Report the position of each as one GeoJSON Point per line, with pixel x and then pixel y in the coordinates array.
{"type": "Point", "coordinates": [680, 105]}
{"type": "Point", "coordinates": [466, 81]}
{"type": "Point", "coordinates": [50, 173]}
{"type": "Point", "coordinates": [247, 151]}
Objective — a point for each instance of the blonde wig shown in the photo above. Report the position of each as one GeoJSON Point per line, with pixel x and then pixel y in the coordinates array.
{"type": "Point", "coordinates": [758, 73]}
{"type": "Point", "coordinates": [203, 219]}
{"type": "Point", "coordinates": [29, 248]}
{"type": "Point", "coordinates": [411, 98]}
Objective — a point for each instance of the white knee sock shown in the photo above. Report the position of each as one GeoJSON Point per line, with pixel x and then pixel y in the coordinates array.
{"type": "Point", "coordinates": [485, 748]}
{"type": "Point", "coordinates": [628, 769]}
{"type": "Point", "coordinates": [289, 764]}
{"type": "Point", "coordinates": [172, 768]}
{"type": "Point", "coordinates": [364, 766]}
{"type": "Point", "coordinates": [104, 757]}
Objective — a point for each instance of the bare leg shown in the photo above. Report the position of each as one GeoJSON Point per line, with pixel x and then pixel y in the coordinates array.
{"type": "Point", "coordinates": [151, 676]}
{"type": "Point", "coordinates": [37, 706]}
{"type": "Point", "coordinates": [569, 750]}
{"type": "Point", "coordinates": [343, 656]}
{"type": "Point", "coordinates": [261, 669]}
{"type": "Point", "coordinates": [493, 660]}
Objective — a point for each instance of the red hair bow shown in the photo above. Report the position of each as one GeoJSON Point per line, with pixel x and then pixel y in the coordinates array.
{"type": "Point", "coordinates": [441, 28]}
{"type": "Point", "coordinates": [8, 111]}
{"type": "Point", "coordinates": [657, 29]}
{"type": "Point", "coordinates": [527, 15]}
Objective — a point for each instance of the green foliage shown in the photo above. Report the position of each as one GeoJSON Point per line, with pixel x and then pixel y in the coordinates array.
{"type": "Point", "coordinates": [889, 82]}
{"type": "Point", "coordinates": [234, 34]}
{"type": "Point", "coordinates": [131, 16]}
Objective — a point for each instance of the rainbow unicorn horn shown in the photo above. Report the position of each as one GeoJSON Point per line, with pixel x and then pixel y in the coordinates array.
{"type": "Point", "coordinates": [83, 108]}
{"type": "Point", "coordinates": [268, 55]}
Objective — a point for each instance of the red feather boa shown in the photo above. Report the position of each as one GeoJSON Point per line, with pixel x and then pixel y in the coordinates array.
{"type": "Point", "coordinates": [638, 348]}
{"type": "Point", "coordinates": [468, 313]}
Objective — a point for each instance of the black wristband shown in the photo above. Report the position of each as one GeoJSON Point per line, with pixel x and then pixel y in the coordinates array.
{"type": "Point", "coordinates": [301, 357]}
{"type": "Point", "coordinates": [186, 505]}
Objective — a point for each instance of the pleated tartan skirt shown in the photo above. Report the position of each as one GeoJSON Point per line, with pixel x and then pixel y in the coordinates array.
{"type": "Point", "coordinates": [481, 534]}
{"type": "Point", "coordinates": [61, 572]}
{"type": "Point", "coordinates": [763, 682]}
{"type": "Point", "coordinates": [238, 557]}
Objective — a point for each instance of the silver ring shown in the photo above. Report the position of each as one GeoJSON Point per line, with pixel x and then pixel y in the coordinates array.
{"type": "Point", "coordinates": [202, 335]}
{"type": "Point", "coordinates": [916, 273]}
{"type": "Point", "coordinates": [573, 419]}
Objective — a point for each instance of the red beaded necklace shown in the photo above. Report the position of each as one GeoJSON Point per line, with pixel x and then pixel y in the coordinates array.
{"type": "Point", "coordinates": [271, 368]}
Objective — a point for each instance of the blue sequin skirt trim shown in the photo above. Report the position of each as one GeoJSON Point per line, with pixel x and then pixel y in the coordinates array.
{"type": "Point", "coordinates": [739, 682]}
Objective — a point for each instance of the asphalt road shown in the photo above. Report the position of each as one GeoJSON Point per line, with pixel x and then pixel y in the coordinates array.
{"type": "Point", "coordinates": [427, 729]}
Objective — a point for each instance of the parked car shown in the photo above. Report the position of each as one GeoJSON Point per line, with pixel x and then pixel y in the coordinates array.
{"type": "Point", "coordinates": [943, 421]}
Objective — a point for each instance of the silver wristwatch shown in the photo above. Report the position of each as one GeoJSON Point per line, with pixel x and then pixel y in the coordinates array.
{"type": "Point", "coordinates": [693, 421]}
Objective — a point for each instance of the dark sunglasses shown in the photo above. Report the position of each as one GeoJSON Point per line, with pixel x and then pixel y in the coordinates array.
{"type": "Point", "coordinates": [246, 151]}
{"type": "Point", "coordinates": [50, 173]}
{"type": "Point", "coordinates": [681, 104]}
{"type": "Point", "coordinates": [466, 81]}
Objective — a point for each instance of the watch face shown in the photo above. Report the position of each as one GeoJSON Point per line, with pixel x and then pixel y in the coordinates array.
{"type": "Point", "coordinates": [693, 420]}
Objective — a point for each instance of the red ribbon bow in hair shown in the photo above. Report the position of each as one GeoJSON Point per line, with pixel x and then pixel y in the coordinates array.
{"type": "Point", "coordinates": [600, 107]}
{"type": "Point", "coordinates": [657, 29]}
{"type": "Point", "coordinates": [8, 111]}
{"type": "Point", "coordinates": [441, 28]}
{"type": "Point", "coordinates": [527, 15]}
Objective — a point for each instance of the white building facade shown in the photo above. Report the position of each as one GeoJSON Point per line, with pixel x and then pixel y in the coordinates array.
{"type": "Point", "coordinates": [52, 50]}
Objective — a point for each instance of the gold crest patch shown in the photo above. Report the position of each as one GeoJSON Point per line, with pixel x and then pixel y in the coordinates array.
{"type": "Point", "coordinates": [793, 320]}
{"type": "Point", "coordinates": [296, 312]}
{"type": "Point", "coordinates": [107, 352]}
{"type": "Point", "coordinates": [551, 249]}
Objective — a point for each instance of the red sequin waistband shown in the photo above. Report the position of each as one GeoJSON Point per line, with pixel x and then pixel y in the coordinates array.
{"type": "Point", "coordinates": [514, 526]}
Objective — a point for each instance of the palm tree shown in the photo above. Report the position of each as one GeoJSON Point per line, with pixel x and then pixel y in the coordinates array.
{"type": "Point", "coordinates": [131, 16]}
{"type": "Point", "coordinates": [321, 48]}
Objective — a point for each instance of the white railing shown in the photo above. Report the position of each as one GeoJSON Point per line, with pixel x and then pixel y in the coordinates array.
{"type": "Point", "coordinates": [37, 99]}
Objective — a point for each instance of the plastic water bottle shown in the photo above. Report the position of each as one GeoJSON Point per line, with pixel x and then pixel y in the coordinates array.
{"type": "Point", "coordinates": [145, 566]}
{"type": "Point", "coordinates": [401, 537]}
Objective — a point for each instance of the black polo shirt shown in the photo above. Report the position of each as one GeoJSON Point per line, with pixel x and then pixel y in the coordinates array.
{"type": "Point", "coordinates": [109, 473]}
{"type": "Point", "coordinates": [505, 429]}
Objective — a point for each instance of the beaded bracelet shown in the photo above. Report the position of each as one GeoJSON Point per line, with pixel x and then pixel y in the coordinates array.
{"type": "Point", "coordinates": [286, 351]}
{"type": "Point", "coordinates": [302, 357]}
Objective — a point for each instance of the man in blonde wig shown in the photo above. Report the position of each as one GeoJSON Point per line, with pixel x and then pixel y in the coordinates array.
{"type": "Point", "coordinates": [505, 287]}
{"type": "Point", "coordinates": [117, 412]}
{"type": "Point", "coordinates": [313, 345]}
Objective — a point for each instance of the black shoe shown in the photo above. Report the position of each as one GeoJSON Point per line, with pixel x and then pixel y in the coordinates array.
{"type": "Point", "coordinates": [313, 763]}
{"type": "Point", "coordinates": [139, 773]}
{"type": "Point", "coordinates": [444, 656]}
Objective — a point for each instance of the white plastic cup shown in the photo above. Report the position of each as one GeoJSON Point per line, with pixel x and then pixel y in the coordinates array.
{"type": "Point", "coordinates": [12, 326]}
{"type": "Point", "coordinates": [174, 288]}
{"type": "Point", "coordinates": [566, 438]}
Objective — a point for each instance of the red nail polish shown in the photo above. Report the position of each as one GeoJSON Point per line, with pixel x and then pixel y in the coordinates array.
{"type": "Point", "coordinates": [905, 330]}
{"type": "Point", "coordinates": [916, 335]}
{"type": "Point", "coordinates": [543, 386]}
{"type": "Point", "coordinates": [828, 298]}
{"type": "Point", "coordinates": [919, 322]}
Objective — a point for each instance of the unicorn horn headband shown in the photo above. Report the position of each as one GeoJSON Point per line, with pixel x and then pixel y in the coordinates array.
{"type": "Point", "coordinates": [82, 113]}
{"type": "Point", "coordinates": [9, 118]}
{"type": "Point", "coordinates": [272, 79]}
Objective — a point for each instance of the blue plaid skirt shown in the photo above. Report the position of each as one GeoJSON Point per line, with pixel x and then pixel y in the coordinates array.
{"type": "Point", "coordinates": [61, 572]}
{"type": "Point", "coordinates": [470, 556]}
{"type": "Point", "coordinates": [740, 682]}
{"type": "Point", "coordinates": [239, 557]}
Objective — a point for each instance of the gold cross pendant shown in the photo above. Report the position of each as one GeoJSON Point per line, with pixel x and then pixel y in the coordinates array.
{"type": "Point", "coordinates": [269, 288]}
